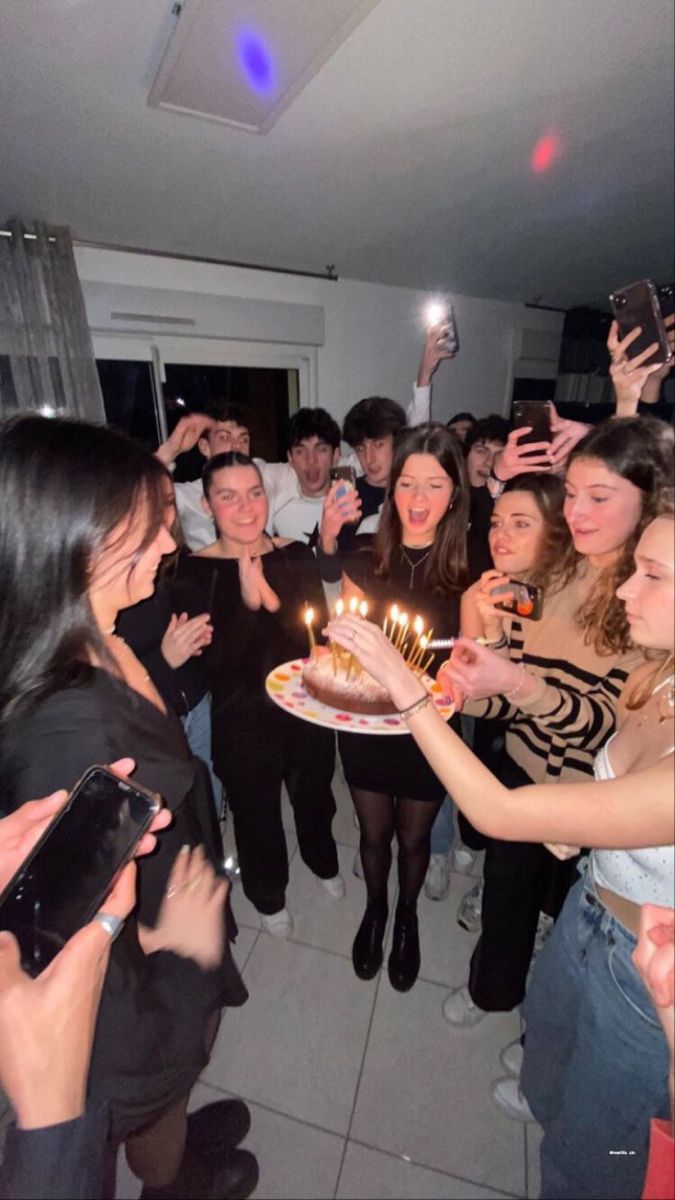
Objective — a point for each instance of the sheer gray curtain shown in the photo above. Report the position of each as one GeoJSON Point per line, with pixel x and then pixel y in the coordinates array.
{"type": "Point", "coordinates": [46, 353]}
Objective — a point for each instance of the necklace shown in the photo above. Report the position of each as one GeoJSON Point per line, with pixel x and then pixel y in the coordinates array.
{"type": "Point", "coordinates": [669, 698]}
{"type": "Point", "coordinates": [127, 649]}
{"type": "Point", "coordinates": [414, 565]}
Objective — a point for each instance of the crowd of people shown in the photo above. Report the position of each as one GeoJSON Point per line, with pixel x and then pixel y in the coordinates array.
{"type": "Point", "coordinates": [139, 620]}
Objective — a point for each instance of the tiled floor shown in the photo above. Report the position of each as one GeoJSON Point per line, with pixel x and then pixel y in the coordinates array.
{"type": "Point", "coordinates": [356, 1090]}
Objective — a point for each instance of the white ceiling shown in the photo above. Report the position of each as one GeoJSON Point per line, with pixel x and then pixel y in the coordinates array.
{"type": "Point", "coordinates": [405, 160]}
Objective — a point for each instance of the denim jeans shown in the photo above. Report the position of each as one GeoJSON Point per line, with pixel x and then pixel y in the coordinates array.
{"type": "Point", "coordinates": [197, 726]}
{"type": "Point", "coordinates": [596, 1062]}
{"type": "Point", "coordinates": [443, 830]}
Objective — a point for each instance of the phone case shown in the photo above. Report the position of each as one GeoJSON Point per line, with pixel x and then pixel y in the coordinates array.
{"type": "Point", "coordinates": [638, 304]}
{"type": "Point", "coordinates": [536, 413]}
{"type": "Point", "coordinates": [527, 600]}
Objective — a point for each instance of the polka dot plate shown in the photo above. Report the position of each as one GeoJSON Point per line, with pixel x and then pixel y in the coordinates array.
{"type": "Point", "coordinates": [284, 686]}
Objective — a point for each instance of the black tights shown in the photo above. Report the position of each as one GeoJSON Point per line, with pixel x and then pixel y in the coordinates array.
{"type": "Point", "coordinates": [380, 816]}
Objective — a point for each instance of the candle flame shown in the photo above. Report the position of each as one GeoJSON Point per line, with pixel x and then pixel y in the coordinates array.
{"type": "Point", "coordinates": [403, 619]}
{"type": "Point", "coordinates": [353, 604]}
{"type": "Point", "coordinates": [394, 613]}
{"type": "Point", "coordinates": [309, 616]}
{"type": "Point", "coordinates": [418, 626]}
{"type": "Point", "coordinates": [339, 607]}
{"type": "Point", "coordinates": [363, 608]}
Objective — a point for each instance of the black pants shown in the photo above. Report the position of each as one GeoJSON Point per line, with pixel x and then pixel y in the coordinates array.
{"type": "Point", "coordinates": [253, 758]}
{"type": "Point", "coordinates": [518, 878]}
{"type": "Point", "coordinates": [488, 745]}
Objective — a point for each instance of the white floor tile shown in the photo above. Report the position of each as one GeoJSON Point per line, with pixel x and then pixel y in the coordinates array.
{"type": "Point", "coordinates": [425, 1090]}
{"type": "Point", "coordinates": [535, 1134]}
{"type": "Point", "coordinates": [246, 939]}
{"type": "Point", "coordinates": [369, 1175]}
{"type": "Point", "coordinates": [295, 1160]}
{"type": "Point", "coordinates": [297, 1044]}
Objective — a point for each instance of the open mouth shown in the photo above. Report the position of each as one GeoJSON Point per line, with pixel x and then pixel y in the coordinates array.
{"type": "Point", "coordinates": [418, 516]}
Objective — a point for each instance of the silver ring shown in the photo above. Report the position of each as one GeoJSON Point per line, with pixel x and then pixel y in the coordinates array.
{"type": "Point", "coordinates": [110, 923]}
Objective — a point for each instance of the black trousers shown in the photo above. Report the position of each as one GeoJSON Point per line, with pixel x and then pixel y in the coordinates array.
{"type": "Point", "coordinates": [252, 758]}
{"type": "Point", "coordinates": [488, 745]}
{"type": "Point", "coordinates": [519, 877]}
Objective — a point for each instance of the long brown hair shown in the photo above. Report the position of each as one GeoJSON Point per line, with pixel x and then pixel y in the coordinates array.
{"type": "Point", "coordinates": [548, 493]}
{"type": "Point", "coordinates": [639, 449]}
{"type": "Point", "coordinates": [663, 659]}
{"type": "Point", "coordinates": [445, 568]}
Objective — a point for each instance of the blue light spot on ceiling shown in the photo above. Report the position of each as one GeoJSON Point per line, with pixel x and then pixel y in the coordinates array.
{"type": "Point", "coordinates": [256, 62]}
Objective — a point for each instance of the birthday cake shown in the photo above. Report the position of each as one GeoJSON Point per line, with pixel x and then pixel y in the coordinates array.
{"type": "Point", "coordinates": [338, 679]}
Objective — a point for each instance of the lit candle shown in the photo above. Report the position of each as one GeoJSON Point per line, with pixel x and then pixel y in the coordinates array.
{"type": "Point", "coordinates": [353, 605]}
{"type": "Point", "coordinates": [393, 617]}
{"type": "Point", "coordinates": [334, 648]}
{"type": "Point", "coordinates": [309, 617]}
{"type": "Point", "coordinates": [418, 627]}
{"type": "Point", "coordinates": [363, 609]}
{"type": "Point", "coordinates": [417, 654]}
{"type": "Point", "coordinates": [403, 627]}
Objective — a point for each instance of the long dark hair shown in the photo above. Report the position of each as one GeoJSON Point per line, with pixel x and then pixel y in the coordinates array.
{"type": "Point", "coordinates": [639, 449]}
{"type": "Point", "coordinates": [548, 493]}
{"type": "Point", "coordinates": [65, 486]}
{"type": "Point", "coordinates": [445, 568]}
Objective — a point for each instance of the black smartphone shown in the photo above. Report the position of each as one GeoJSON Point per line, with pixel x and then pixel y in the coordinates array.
{"type": "Point", "coordinates": [638, 304]}
{"type": "Point", "coordinates": [527, 599]}
{"type": "Point", "coordinates": [666, 298]}
{"type": "Point", "coordinates": [535, 413]}
{"type": "Point", "coordinates": [70, 871]}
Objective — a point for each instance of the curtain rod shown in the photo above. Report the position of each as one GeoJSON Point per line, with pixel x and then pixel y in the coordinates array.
{"type": "Point", "coordinates": [329, 273]}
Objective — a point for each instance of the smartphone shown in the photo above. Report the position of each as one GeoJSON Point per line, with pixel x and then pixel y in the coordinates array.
{"type": "Point", "coordinates": [70, 871]}
{"type": "Point", "coordinates": [638, 304]}
{"type": "Point", "coordinates": [666, 298]}
{"type": "Point", "coordinates": [537, 414]}
{"type": "Point", "coordinates": [527, 599]}
{"type": "Point", "coordinates": [451, 339]}
{"type": "Point", "coordinates": [348, 474]}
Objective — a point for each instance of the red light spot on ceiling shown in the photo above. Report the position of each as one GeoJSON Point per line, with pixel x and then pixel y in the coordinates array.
{"type": "Point", "coordinates": [546, 150]}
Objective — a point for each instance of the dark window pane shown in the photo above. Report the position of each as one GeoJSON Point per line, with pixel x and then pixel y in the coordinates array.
{"type": "Point", "coordinates": [128, 399]}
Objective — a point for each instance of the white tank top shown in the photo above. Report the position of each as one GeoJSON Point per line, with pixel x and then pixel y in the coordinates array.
{"type": "Point", "coordinates": [643, 876]}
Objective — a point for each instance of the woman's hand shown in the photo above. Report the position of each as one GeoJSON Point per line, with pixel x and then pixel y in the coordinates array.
{"type": "Point", "coordinates": [629, 375]}
{"type": "Point", "coordinates": [480, 673]}
{"type": "Point", "coordinates": [486, 598]}
{"type": "Point", "coordinates": [190, 921]}
{"type": "Point", "coordinates": [47, 1024]}
{"type": "Point", "coordinates": [186, 636]}
{"type": "Point", "coordinates": [516, 459]}
{"type": "Point", "coordinates": [654, 957]}
{"type": "Point", "coordinates": [336, 512]}
{"type": "Point", "coordinates": [255, 590]}
{"type": "Point", "coordinates": [377, 654]}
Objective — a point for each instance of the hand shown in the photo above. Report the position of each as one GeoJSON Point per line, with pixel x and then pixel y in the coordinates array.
{"type": "Point", "coordinates": [336, 512]}
{"type": "Point", "coordinates": [479, 672]}
{"type": "Point", "coordinates": [255, 590]}
{"type": "Point", "coordinates": [654, 957]}
{"type": "Point", "coordinates": [21, 830]}
{"type": "Point", "coordinates": [186, 637]}
{"type": "Point", "coordinates": [515, 459]}
{"type": "Point", "coordinates": [433, 353]}
{"type": "Point", "coordinates": [561, 851]}
{"type": "Point", "coordinates": [567, 434]}
{"type": "Point", "coordinates": [652, 388]}
{"type": "Point", "coordinates": [486, 598]}
{"type": "Point", "coordinates": [47, 1024]}
{"type": "Point", "coordinates": [628, 375]}
{"type": "Point", "coordinates": [185, 436]}
{"type": "Point", "coordinates": [377, 654]}
{"type": "Point", "coordinates": [190, 921]}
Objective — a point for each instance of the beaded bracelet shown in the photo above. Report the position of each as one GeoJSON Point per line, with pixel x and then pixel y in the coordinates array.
{"type": "Point", "coordinates": [515, 692]}
{"type": "Point", "coordinates": [410, 711]}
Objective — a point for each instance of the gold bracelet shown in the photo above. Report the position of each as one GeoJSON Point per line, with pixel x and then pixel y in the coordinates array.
{"type": "Point", "coordinates": [410, 711]}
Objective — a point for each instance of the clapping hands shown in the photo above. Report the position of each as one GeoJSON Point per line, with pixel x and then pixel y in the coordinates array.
{"type": "Point", "coordinates": [255, 590]}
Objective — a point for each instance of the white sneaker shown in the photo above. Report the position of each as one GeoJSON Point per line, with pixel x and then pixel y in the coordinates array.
{"type": "Point", "coordinates": [357, 865]}
{"type": "Point", "coordinates": [471, 907]}
{"type": "Point", "coordinates": [459, 1009]}
{"type": "Point", "coordinates": [278, 924]}
{"type": "Point", "coordinates": [437, 882]}
{"type": "Point", "coordinates": [508, 1097]}
{"type": "Point", "coordinates": [511, 1058]}
{"type": "Point", "coordinates": [335, 887]}
{"type": "Point", "coordinates": [462, 859]}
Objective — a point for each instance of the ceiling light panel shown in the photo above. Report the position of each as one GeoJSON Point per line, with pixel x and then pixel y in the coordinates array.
{"type": "Point", "coordinates": [242, 62]}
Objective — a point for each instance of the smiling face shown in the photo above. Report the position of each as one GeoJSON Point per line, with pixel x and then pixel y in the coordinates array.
{"type": "Point", "coordinates": [601, 508]}
{"type": "Point", "coordinates": [649, 594]}
{"type": "Point", "coordinates": [238, 504]}
{"type": "Point", "coordinates": [124, 572]}
{"type": "Point", "coordinates": [516, 531]}
{"type": "Point", "coordinates": [312, 460]}
{"type": "Point", "coordinates": [422, 495]}
{"type": "Point", "coordinates": [480, 460]}
{"type": "Point", "coordinates": [375, 456]}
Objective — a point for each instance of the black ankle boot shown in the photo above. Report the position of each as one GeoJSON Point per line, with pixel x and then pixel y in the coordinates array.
{"type": "Point", "coordinates": [404, 960]}
{"type": "Point", "coordinates": [367, 949]}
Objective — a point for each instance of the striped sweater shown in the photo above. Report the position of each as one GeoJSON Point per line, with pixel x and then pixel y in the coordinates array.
{"type": "Point", "coordinates": [558, 730]}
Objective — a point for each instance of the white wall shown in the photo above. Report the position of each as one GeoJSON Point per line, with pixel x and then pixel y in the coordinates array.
{"type": "Point", "coordinates": [373, 333]}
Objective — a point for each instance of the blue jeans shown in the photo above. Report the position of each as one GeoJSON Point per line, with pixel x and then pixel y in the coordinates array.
{"type": "Point", "coordinates": [596, 1062]}
{"type": "Point", "coordinates": [197, 726]}
{"type": "Point", "coordinates": [443, 830]}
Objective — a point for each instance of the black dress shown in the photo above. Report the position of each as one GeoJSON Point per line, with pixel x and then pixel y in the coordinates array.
{"type": "Point", "coordinates": [256, 745]}
{"type": "Point", "coordinates": [394, 765]}
{"type": "Point", "coordinates": [149, 1043]}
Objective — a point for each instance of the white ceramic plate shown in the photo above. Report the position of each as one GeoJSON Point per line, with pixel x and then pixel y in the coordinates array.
{"type": "Point", "coordinates": [285, 687]}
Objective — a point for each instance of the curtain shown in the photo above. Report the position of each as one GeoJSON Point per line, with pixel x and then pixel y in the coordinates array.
{"type": "Point", "coordinates": [46, 354]}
